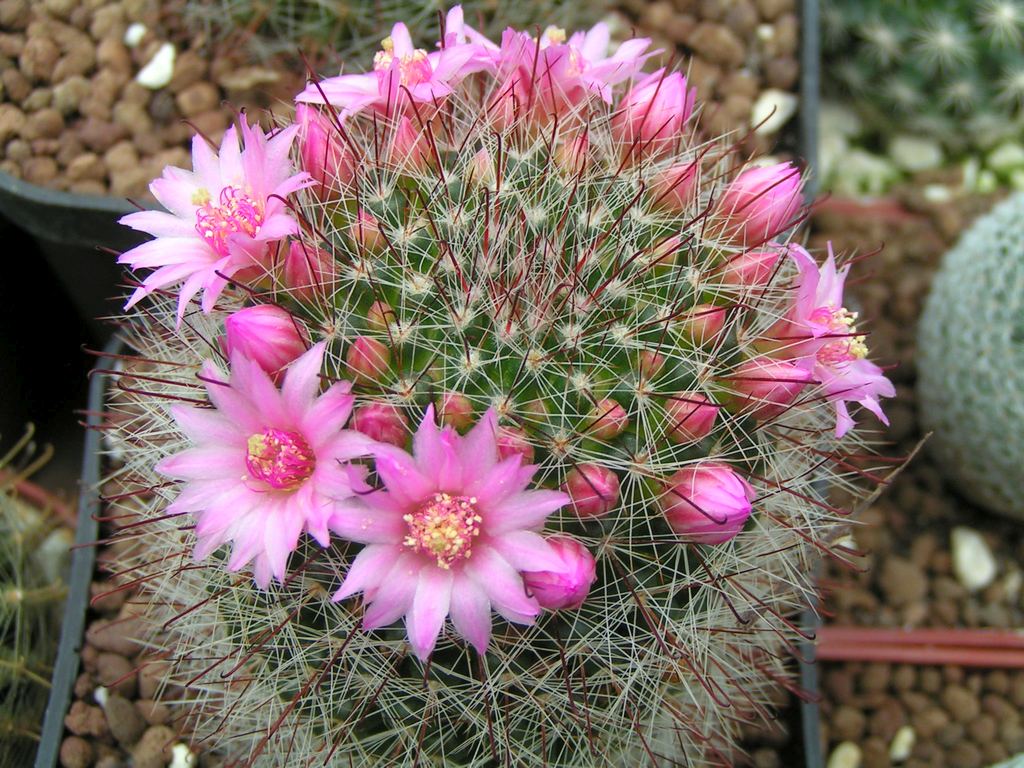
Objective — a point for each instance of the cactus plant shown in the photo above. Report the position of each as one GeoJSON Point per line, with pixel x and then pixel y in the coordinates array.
{"type": "Point", "coordinates": [951, 72]}
{"type": "Point", "coordinates": [33, 549]}
{"type": "Point", "coordinates": [563, 272]}
{"type": "Point", "coordinates": [970, 350]}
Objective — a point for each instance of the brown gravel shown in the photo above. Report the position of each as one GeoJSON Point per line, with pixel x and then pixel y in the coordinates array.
{"type": "Point", "coordinates": [68, 95]}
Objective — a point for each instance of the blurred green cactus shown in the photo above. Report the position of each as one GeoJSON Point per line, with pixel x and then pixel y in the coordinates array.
{"type": "Point", "coordinates": [33, 547]}
{"type": "Point", "coordinates": [970, 359]}
{"type": "Point", "coordinates": [952, 70]}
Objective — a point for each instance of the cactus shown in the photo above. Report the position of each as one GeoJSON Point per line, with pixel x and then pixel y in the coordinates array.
{"type": "Point", "coordinates": [349, 32]}
{"type": "Point", "coordinates": [33, 551]}
{"type": "Point", "coordinates": [970, 346]}
{"type": "Point", "coordinates": [577, 268]}
{"type": "Point", "coordinates": [951, 72]}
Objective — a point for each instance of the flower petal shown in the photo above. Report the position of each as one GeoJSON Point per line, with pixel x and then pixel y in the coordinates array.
{"type": "Point", "coordinates": [503, 585]}
{"type": "Point", "coordinates": [470, 611]}
{"type": "Point", "coordinates": [368, 570]}
{"type": "Point", "coordinates": [527, 551]}
{"type": "Point", "coordinates": [525, 510]}
{"type": "Point", "coordinates": [425, 618]}
{"type": "Point", "coordinates": [396, 593]}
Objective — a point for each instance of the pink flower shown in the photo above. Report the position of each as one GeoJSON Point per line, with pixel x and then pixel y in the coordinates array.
{"type": "Point", "coordinates": [401, 74]}
{"type": "Point", "coordinates": [449, 535]}
{"type": "Point", "coordinates": [267, 464]}
{"type": "Point", "coordinates": [691, 416]}
{"type": "Point", "coordinates": [674, 187]}
{"type": "Point", "coordinates": [761, 203]}
{"type": "Point", "coordinates": [368, 359]}
{"type": "Point", "coordinates": [707, 503]}
{"type": "Point", "coordinates": [593, 490]}
{"type": "Point", "coordinates": [224, 216]}
{"type": "Point", "coordinates": [265, 334]}
{"type": "Point", "coordinates": [821, 335]}
{"type": "Point", "coordinates": [512, 441]}
{"type": "Point", "coordinates": [608, 420]}
{"type": "Point", "coordinates": [322, 149]}
{"type": "Point", "coordinates": [768, 386]}
{"type": "Point", "coordinates": [383, 422]}
{"type": "Point", "coordinates": [566, 588]}
{"type": "Point", "coordinates": [651, 116]}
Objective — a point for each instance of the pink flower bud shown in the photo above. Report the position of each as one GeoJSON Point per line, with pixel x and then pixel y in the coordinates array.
{"type": "Point", "coordinates": [571, 154]}
{"type": "Point", "coordinates": [410, 149]}
{"type": "Point", "coordinates": [365, 232]}
{"type": "Point", "coordinates": [691, 416]}
{"type": "Point", "coordinates": [322, 150]}
{"type": "Point", "coordinates": [481, 169]}
{"type": "Point", "coordinates": [380, 316]}
{"type": "Point", "coordinates": [265, 334]}
{"type": "Point", "coordinates": [593, 490]}
{"type": "Point", "coordinates": [651, 363]}
{"type": "Point", "coordinates": [767, 386]}
{"type": "Point", "coordinates": [673, 188]}
{"type": "Point", "coordinates": [760, 203]}
{"type": "Point", "coordinates": [513, 440]}
{"type": "Point", "coordinates": [651, 116]}
{"type": "Point", "coordinates": [664, 253]}
{"type": "Point", "coordinates": [608, 420]}
{"type": "Point", "coordinates": [752, 269]}
{"type": "Point", "coordinates": [368, 359]}
{"type": "Point", "coordinates": [308, 272]}
{"type": "Point", "coordinates": [456, 410]}
{"type": "Point", "coordinates": [382, 422]}
{"type": "Point", "coordinates": [567, 588]}
{"type": "Point", "coordinates": [707, 503]}
{"type": "Point", "coordinates": [703, 323]}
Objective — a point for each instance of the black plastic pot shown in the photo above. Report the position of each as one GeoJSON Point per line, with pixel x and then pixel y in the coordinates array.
{"type": "Point", "coordinates": [83, 561]}
{"type": "Point", "coordinates": [72, 231]}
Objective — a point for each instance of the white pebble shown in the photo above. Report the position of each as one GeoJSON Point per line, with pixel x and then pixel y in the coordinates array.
{"type": "Point", "coordinates": [101, 695]}
{"type": "Point", "coordinates": [772, 110]}
{"type": "Point", "coordinates": [1007, 157]}
{"type": "Point", "coordinates": [937, 193]}
{"type": "Point", "coordinates": [157, 73]}
{"type": "Point", "coordinates": [182, 756]}
{"type": "Point", "coordinates": [134, 34]}
{"type": "Point", "coordinates": [913, 153]}
{"type": "Point", "coordinates": [845, 755]}
{"type": "Point", "coordinates": [973, 562]}
{"type": "Point", "coordinates": [902, 744]}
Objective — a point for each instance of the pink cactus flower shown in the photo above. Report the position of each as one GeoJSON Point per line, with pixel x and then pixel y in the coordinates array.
{"type": "Point", "coordinates": [566, 588]}
{"type": "Point", "coordinates": [308, 272]}
{"type": "Point", "coordinates": [402, 73]}
{"type": "Point", "coordinates": [449, 535]}
{"type": "Point", "coordinates": [674, 187]}
{"type": "Point", "coordinates": [651, 116]}
{"type": "Point", "coordinates": [383, 422]}
{"type": "Point", "coordinates": [266, 334]}
{"type": "Point", "coordinates": [760, 203]}
{"type": "Point", "coordinates": [767, 386]}
{"type": "Point", "coordinates": [267, 465]}
{"type": "Point", "coordinates": [593, 490]}
{"type": "Point", "coordinates": [368, 359]}
{"type": "Point", "coordinates": [707, 503]}
{"type": "Point", "coordinates": [224, 215]}
{"type": "Point", "coordinates": [322, 149]}
{"type": "Point", "coordinates": [691, 416]}
{"type": "Point", "coordinates": [821, 335]}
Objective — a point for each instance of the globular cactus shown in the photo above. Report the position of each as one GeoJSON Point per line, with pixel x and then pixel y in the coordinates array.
{"type": "Point", "coordinates": [950, 72]}
{"type": "Point", "coordinates": [576, 263]}
{"type": "Point", "coordinates": [970, 357]}
{"type": "Point", "coordinates": [33, 553]}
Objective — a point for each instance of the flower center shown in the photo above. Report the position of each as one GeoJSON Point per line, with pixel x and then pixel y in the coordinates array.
{"type": "Point", "coordinates": [283, 460]}
{"type": "Point", "coordinates": [413, 68]}
{"type": "Point", "coordinates": [843, 345]}
{"type": "Point", "coordinates": [236, 213]}
{"type": "Point", "coordinates": [444, 527]}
